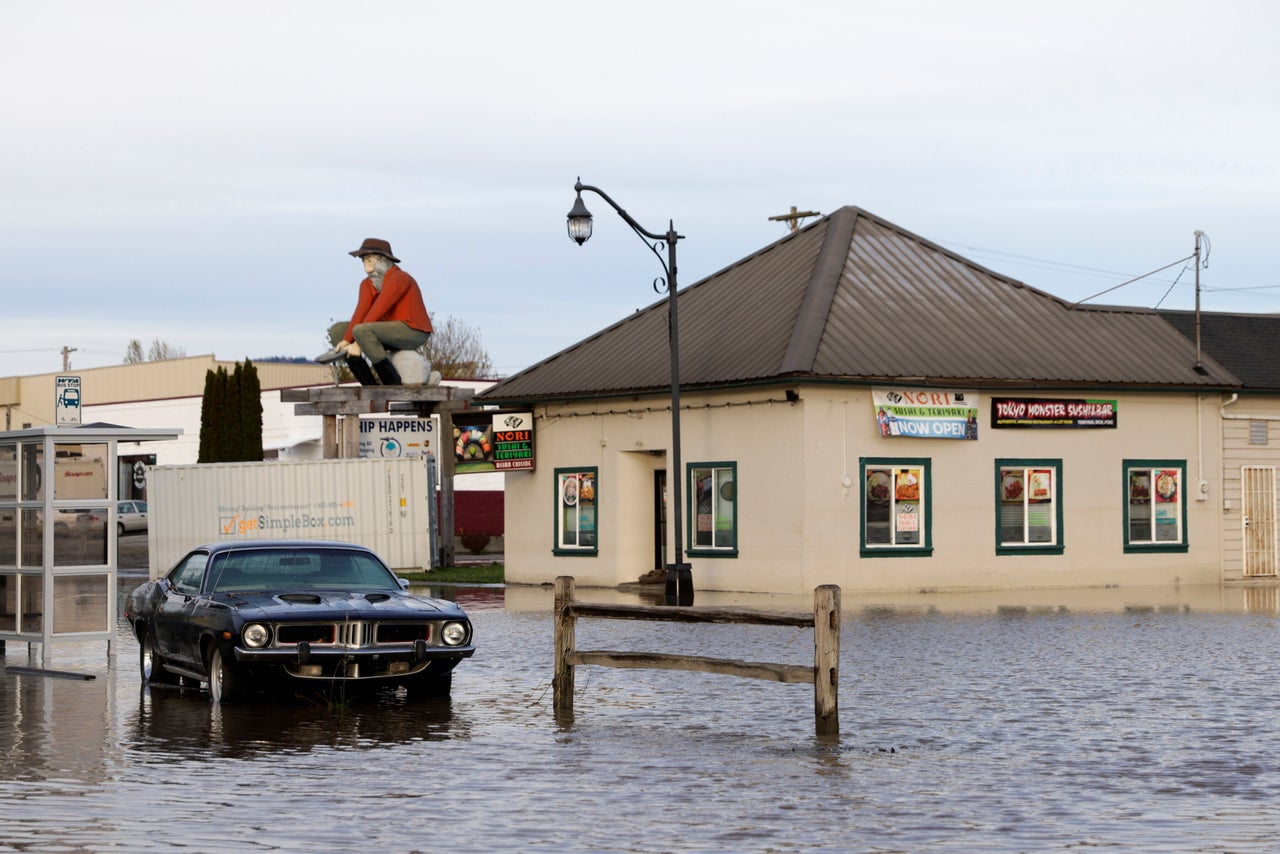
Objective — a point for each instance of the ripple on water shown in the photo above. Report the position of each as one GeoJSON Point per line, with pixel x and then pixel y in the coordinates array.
{"type": "Point", "coordinates": [1035, 729]}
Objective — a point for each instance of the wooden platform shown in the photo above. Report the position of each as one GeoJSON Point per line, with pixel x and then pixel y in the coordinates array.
{"type": "Point", "coordinates": [363, 400]}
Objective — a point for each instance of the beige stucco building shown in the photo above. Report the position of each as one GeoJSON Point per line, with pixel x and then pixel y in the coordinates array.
{"type": "Point", "coordinates": [865, 408]}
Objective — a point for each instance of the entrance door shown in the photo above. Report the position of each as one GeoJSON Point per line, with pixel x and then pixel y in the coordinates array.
{"type": "Point", "coordinates": [660, 519]}
{"type": "Point", "coordinates": [1258, 501]}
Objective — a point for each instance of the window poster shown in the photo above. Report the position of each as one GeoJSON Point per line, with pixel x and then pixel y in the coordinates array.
{"type": "Point", "coordinates": [577, 491]}
{"type": "Point", "coordinates": [1155, 505]}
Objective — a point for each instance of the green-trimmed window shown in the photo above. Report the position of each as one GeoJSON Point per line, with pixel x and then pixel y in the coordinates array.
{"type": "Point", "coordinates": [1028, 506]}
{"type": "Point", "coordinates": [713, 509]}
{"type": "Point", "coordinates": [577, 503]}
{"type": "Point", "coordinates": [1155, 507]}
{"type": "Point", "coordinates": [896, 507]}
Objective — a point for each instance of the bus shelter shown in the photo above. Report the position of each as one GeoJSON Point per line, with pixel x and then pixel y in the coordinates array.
{"type": "Point", "coordinates": [58, 487]}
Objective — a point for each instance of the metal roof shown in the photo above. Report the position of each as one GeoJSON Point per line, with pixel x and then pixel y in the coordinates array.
{"type": "Point", "coordinates": [854, 298]}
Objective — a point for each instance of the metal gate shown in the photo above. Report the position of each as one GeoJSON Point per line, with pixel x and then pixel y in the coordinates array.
{"type": "Point", "coordinates": [1258, 500]}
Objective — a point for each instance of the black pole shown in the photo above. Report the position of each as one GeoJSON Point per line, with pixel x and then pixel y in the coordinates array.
{"type": "Point", "coordinates": [679, 587]}
{"type": "Point", "coordinates": [679, 580]}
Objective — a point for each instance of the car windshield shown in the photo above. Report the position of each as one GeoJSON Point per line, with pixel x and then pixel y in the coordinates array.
{"type": "Point", "coordinates": [298, 569]}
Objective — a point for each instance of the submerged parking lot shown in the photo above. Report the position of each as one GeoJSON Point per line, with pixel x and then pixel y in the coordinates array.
{"type": "Point", "coordinates": [1141, 719]}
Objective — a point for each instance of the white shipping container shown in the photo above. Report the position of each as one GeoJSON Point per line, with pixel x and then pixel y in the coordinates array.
{"type": "Point", "coordinates": [381, 504]}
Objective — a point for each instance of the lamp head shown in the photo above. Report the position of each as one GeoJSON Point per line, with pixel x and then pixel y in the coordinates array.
{"type": "Point", "coordinates": [579, 221]}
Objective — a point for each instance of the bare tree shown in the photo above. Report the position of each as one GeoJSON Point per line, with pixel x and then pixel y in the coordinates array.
{"type": "Point", "coordinates": [163, 350]}
{"type": "Point", "coordinates": [456, 351]}
{"type": "Point", "coordinates": [133, 353]}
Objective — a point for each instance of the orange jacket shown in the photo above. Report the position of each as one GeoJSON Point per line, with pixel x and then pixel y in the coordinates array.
{"type": "Point", "coordinates": [400, 300]}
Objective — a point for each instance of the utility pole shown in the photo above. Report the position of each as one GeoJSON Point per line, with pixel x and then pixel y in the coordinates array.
{"type": "Point", "coordinates": [66, 357]}
{"type": "Point", "coordinates": [1200, 238]}
{"type": "Point", "coordinates": [793, 219]}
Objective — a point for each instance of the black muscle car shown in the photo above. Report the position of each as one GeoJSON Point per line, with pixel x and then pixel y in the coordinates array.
{"type": "Point", "coordinates": [296, 614]}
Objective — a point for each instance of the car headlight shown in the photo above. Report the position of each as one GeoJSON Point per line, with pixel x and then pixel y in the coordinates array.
{"type": "Point", "coordinates": [255, 635]}
{"type": "Point", "coordinates": [455, 634]}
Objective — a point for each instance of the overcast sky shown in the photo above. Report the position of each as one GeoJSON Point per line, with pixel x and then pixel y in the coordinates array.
{"type": "Point", "coordinates": [197, 172]}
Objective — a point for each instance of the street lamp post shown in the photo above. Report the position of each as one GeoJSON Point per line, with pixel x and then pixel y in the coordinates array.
{"type": "Point", "coordinates": [679, 581]}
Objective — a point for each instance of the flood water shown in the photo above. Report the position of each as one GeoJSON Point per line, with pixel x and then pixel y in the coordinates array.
{"type": "Point", "coordinates": [1136, 720]}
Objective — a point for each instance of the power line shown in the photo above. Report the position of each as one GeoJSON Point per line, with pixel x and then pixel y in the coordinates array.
{"type": "Point", "coordinates": [1136, 278]}
{"type": "Point", "coordinates": [1092, 271]}
{"type": "Point", "coordinates": [1061, 265]}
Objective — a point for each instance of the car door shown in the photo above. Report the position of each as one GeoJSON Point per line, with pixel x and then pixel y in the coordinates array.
{"type": "Point", "coordinates": [131, 515]}
{"type": "Point", "coordinates": [176, 630]}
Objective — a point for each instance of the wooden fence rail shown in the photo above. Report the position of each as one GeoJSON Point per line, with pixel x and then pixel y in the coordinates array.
{"type": "Point", "coordinates": [824, 674]}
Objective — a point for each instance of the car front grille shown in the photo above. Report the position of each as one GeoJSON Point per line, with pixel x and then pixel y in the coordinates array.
{"type": "Point", "coordinates": [351, 635]}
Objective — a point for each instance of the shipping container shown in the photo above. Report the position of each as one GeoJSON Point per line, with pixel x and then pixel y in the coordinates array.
{"type": "Point", "coordinates": [382, 504]}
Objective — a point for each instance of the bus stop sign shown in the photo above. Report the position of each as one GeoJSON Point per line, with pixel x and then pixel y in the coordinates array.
{"type": "Point", "coordinates": [67, 401]}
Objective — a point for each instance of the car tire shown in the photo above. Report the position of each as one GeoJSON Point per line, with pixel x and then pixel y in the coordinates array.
{"type": "Point", "coordinates": [225, 684]}
{"type": "Point", "coordinates": [150, 664]}
{"type": "Point", "coordinates": [427, 687]}
{"type": "Point", "coordinates": [120, 528]}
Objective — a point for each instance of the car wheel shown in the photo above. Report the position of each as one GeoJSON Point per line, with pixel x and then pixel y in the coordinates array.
{"type": "Point", "coordinates": [150, 664]}
{"type": "Point", "coordinates": [120, 528]}
{"type": "Point", "coordinates": [225, 684]}
{"type": "Point", "coordinates": [430, 686]}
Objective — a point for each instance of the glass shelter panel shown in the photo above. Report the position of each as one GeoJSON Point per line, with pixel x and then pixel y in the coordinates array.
{"type": "Point", "coordinates": [31, 607]}
{"type": "Point", "coordinates": [8, 504]}
{"type": "Point", "coordinates": [80, 472]}
{"type": "Point", "coordinates": [79, 604]}
{"type": "Point", "coordinates": [32, 537]}
{"type": "Point", "coordinates": [30, 475]}
{"type": "Point", "coordinates": [8, 602]}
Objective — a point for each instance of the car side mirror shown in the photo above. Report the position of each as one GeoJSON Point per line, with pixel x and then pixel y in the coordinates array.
{"type": "Point", "coordinates": [404, 582]}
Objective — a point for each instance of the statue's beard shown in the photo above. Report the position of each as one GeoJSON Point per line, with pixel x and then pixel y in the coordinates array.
{"type": "Point", "coordinates": [380, 267]}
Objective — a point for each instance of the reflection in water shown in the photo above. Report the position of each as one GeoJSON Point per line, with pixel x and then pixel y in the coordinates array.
{"type": "Point", "coordinates": [1060, 720]}
{"type": "Point", "coordinates": [1262, 600]}
{"type": "Point", "coordinates": [182, 723]}
{"type": "Point", "coordinates": [470, 598]}
{"type": "Point", "coordinates": [54, 728]}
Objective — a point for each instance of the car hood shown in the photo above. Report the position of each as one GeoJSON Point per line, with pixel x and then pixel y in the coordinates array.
{"type": "Point", "coordinates": [336, 604]}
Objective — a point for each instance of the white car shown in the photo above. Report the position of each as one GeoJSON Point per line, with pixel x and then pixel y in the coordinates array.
{"type": "Point", "coordinates": [131, 516]}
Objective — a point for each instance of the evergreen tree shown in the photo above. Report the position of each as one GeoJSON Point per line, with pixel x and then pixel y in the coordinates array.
{"type": "Point", "coordinates": [207, 419]}
{"type": "Point", "coordinates": [231, 415]}
{"type": "Point", "coordinates": [229, 429]}
{"type": "Point", "coordinates": [250, 413]}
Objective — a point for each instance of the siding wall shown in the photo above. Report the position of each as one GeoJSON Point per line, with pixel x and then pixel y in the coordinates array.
{"type": "Point", "coordinates": [1235, 425]}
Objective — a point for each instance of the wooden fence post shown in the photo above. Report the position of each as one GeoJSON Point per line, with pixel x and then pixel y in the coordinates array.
{"type": "Point", "coordinates": [562, 679]}
{"type": "Point", "coordinates": [826, 660]}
